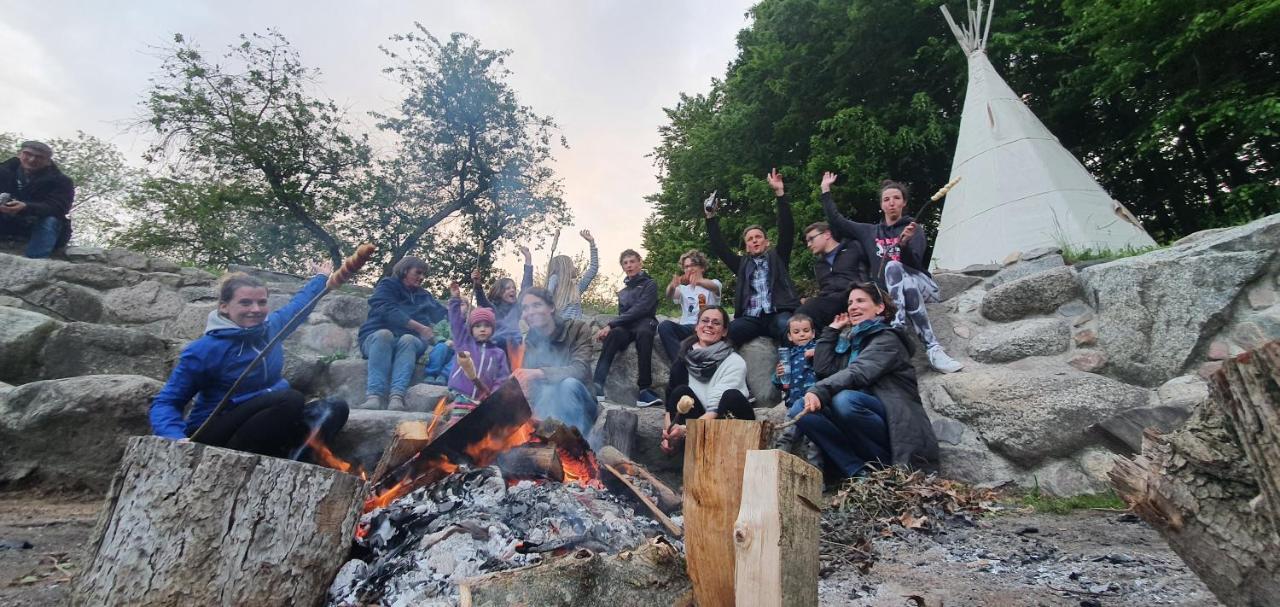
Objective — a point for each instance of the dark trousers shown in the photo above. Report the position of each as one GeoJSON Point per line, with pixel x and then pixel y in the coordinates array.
{"type": "Point", "coordinates": [275, 424]}
{"type": "Point", "coordinates": [733, 403]}
{"type": "Point", "coordinates": [671, 333]}
{"type": "Point", "coordinates": [746, 328]}
{"type": "Point", "coordinates": [641, 332]}
{"type": "Point", "coordinates": [852, 432]}
{"type": "Point", "coordinates": [823, 309]}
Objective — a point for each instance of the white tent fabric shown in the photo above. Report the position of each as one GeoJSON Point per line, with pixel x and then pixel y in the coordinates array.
{"type": "Point", "coordinates": [1019, 188]}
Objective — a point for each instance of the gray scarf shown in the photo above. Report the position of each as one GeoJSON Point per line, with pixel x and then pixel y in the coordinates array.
{"type": "Point", "coordinates": [703, 362]}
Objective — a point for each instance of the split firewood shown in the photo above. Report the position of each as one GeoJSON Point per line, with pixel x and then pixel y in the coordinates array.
{"type": "Point", "coordinates": [410, 437]}
{"type": "Point", "coordinates": [776, 533]}
{"type": "Point", "coordinates": [532, 462]}
{"type": "Point", "coordinates": [667, 500]}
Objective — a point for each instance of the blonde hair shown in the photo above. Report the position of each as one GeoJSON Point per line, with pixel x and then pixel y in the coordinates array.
{"type": "Point", "coordinates": [566, 293]}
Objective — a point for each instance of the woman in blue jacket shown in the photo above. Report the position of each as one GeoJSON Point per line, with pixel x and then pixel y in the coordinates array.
{"type": "Point", "coordinates": [399, 327]}
{"type": "Point", "coordinates": [264, 415]}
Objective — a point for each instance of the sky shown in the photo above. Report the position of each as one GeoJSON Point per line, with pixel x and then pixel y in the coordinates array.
{"type": "Point", "coordinates": [603, 69]}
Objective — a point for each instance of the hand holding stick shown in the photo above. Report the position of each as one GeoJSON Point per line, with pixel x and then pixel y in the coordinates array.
{"type": "Point", "coordinates": [468, 366]}
{"type": "Point", "coordinates": [350, 266]}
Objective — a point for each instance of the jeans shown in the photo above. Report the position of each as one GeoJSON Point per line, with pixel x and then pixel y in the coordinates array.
{"type": "Point", "coordinates": [42, 232]}
{"type": "Point", "coordinates": [567, 400]}
{"type": "Point", "coordinates": [440, 361]}
{"type": "Point", "coordinates": [852, 432]}
{"type": "Point", "coordinates": [391, 359]}
{"type": "Point", "coordinates": [671, 333]}
{"type": "Point", "coordinates": [641, 332]}
{"type": "Point", "coordinates": [746, 328]}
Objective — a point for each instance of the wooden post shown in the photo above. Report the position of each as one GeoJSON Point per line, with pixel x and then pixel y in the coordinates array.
{"type": "Point", "coordinates": [776, 534]}
{"type": "Point", "coordinates": [1248, 390]}
{"type": "Point", "coordinates": [620, 430]}
{"type": "Point", "coordinates": [714, 458]}
{"type": "Point", "coordinates": [409, 438]}
{"type": "Point", "coordinates": [188, 524]}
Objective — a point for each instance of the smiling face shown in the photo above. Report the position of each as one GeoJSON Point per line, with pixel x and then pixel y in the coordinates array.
{"type": "Point", "coordinates": [756, 241]}
{"type": "Point", "coordinates": [537, 314]}
{"type": "Point", "coordinates": [713, 325]}
{"type": "Point", "coordinates": [247, 307]}
{"type": "Point", "coordinates": [892, 202]}
{"type": "Point", "coordinates": [509, 291]}
{"type": "Point", "coordinates": [413, 278]}
{"type": "Point", "coordinates": [863, 307]}
{"type": "Point", "coordinates": [631, 265]}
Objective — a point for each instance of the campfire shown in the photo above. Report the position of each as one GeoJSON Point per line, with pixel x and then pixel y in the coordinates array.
{"type": "Point", "coordinates": [497, 490]}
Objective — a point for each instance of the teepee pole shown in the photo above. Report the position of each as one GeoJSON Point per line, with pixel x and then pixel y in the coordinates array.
{"type": "Point", "coordinates": [987, 31]}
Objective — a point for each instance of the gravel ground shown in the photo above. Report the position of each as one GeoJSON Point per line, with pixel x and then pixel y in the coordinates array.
{"type": "Point", "coordinates": [1085, 559]}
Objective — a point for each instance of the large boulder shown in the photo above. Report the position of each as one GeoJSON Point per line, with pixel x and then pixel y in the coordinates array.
{"type": "Point", "coordinates": [67, 301]}
{"type": "Point", "coordinates": [347, 311]}
{"type": "Point", "coordinates": [143, 303]}
{"type": "Point", "coordinates": [1157, 312]}
{"type": "Point", "coordinates": [1031, 413]}
{"type": "Point", "coordinates": [19, 274]}
{"type": "Point", "coordinates": [96, 276]}
{"type": "Point", "coordinates": [423, 398]}
{"type": "Point", "coordinates": [1170, 406]}
{"type": "Point", "coordinates": [190, 322]}
{"type": "Point", "coordinates": [71, 432]}
{"type": "Point", "coordinates": [1026, 266]}
{"type": "Point", "coordinates": [1039, 293]}
{"type": "Point", "coordinates": [345, 378]}
{"type": "Point", "coordinates": [761, 355]}
{"type": "Point", "coordinates": [89, 349]}
{"type": "Point", "coordinates": [1015, 341]}
{"type": "Point", "coordinates": [22, 335]}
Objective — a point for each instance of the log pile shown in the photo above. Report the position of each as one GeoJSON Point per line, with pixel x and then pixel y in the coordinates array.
{"type": "Point", "coordinates": [1212, 489]}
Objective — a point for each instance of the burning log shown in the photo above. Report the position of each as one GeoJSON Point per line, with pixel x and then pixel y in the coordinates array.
{"type": "Point", "coordinates": [579, 462]}
{"type": "Point", "coordinates": [532, 462]}
{"type": "Point", "coordinates": [714, 458]}
{"type": "Point", "coordinates": [650, 575]}
{"type": "Point", "coordinates": [776, 534]}
{"type": "Point", "coordinates": [667, 501]}
{"type": "Point", "coordinates": [409, 438]}
{"type": "Point", "coordinates": [620, 430]}
{"type": "Point", "coordinates": [185, 523]}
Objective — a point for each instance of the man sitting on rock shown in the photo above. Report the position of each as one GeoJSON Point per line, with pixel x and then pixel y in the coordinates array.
{"type": "Point", "coordinates": [840, 264]}
{"type": "Point", "coordinates": [636, 321]}
{"type": "Point", "coordinates": [557, 363]}
{"type": "Point", "coordinates": [765, 296]}
{"type": "Point", "coordinates": [35, 198]}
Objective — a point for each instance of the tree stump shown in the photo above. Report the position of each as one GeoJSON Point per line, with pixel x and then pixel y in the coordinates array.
{"type": "Point", "coordinates": [714, 457]}
{"type": "Point", "coordinates": [1210, 488]}
{"type": "Point", "coordinates": [776, 534]}
{"type": "Point", "coordinates": [188, 524]}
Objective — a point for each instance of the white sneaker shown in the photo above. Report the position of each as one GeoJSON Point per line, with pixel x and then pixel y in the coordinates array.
{"type": "Point", "coordinates": [942, 363]}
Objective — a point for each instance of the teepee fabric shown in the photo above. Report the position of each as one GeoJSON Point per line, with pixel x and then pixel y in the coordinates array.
{"type": "Point", "coordinates": [1019, 188]}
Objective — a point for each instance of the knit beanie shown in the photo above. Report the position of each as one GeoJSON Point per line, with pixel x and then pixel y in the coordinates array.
{"type": "Point", "coordinates": [479, 315]}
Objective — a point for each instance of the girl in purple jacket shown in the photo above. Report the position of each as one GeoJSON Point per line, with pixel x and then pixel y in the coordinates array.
{"type": "Point", "coordinates": [474, 335]}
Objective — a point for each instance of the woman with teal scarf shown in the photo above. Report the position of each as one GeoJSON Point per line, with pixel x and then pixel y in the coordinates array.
{"type": "Point", "coordinates": [867, 410]}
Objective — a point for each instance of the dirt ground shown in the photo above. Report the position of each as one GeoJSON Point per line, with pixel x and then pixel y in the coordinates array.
{"type": "Point", "coordinates": [1088, 559]}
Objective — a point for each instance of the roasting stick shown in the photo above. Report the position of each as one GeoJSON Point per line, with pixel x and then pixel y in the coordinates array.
{"type": "Point", "coordinates": [336, 279]}
{"type": "Point", "coordinates": [792, 421]}
{"type": "Point", "coordinates": [939, 195]}
{"type": "Point", "coordinates": [468, 366]}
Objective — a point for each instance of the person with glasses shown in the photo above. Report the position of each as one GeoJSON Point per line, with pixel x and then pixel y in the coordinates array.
{"type": "Point", "coordinates": [867, 410]}
{"type": "Point", "coordinates": [693, 292]}
{"type": "Point", "coordinates": [708, 379]}
{"type": "Point", "coordinates": [895, 249]}
{"type": "Point", "coordinates": [839, 265]}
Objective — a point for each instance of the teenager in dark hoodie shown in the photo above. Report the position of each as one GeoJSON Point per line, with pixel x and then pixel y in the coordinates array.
{"type": "Point", "coordinates": [636, 321]}
{"type": "Point", "coordinates": [894, 249]}
{"type": "Point", "coordinates": [265, 415]}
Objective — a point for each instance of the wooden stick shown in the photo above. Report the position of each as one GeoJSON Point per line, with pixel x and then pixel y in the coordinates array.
{"type": "Point", "coordinates": [657, 512]}
{"type": "Point", "coordinates": [668, 501]}
{"type": "Point", "coordinates": [792, 421]}
{"type": "Point", "coordinates": [776, 533]}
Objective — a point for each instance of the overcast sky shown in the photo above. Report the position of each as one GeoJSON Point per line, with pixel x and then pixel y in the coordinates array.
{"type": "Point", "coordinates": [604, 69]}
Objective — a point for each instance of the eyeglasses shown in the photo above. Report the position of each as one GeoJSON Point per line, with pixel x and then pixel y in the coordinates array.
{"type": "Point", "coordinates": [812, 237]}
{"type": "Point", "coordinates": [714, 322]}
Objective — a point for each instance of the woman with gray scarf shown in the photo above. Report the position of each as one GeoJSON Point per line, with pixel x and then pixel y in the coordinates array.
{"type": "Point", "coordinates": [708, 379]}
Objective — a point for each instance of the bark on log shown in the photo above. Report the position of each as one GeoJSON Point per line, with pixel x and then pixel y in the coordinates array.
{"type": "Point", "coordinates": [409, 438]}
{"type": "Point", "coordinates": [187, 524]}
{"type": "Point", "coordinates": [1205, 487]}
{"type": "Point", "coordinates": [667, 500]}
{"type": "Point", "coordinates": [714, 457]}
{"type": "Point", "coordinates": [620, 430]}
{"type": "Point", "coordinates": [653, 574]}
{"type": "Point", "coordinates": [532, 462]}
{"type": "Point", "coordinates": [776, 534]}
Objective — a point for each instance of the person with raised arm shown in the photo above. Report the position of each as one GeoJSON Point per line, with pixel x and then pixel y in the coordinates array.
{"type": "Point", "coordinates": [894, 248]}
{"type": "Point", "coordinates": [501, 298]}
{"type": "Point", "coordinates": [693, 292]}
{"type": "Point", "coordinates": [765, 296]}
{"type": "Point", "coordinates": [563, 281]}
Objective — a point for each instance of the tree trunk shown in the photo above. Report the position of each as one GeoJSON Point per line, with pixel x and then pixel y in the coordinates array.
{"type": "Point", "coordinates": [653, 574]}
{"type": "Point", "coordinates": [187, 524]}
{"type": "Point", "coordinates": [776, 534]}
{"type": "Point", "coordinates": [1211, 488]}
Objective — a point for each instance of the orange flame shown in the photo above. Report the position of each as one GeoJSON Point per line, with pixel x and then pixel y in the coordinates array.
{"type": "Point", "coordinates": [438, 414]}
{"type": "Point", "coordinates": [583, 470]}
{"type": "Point", "coordinates": [325, 457]}
{"type": "Point", "coordinates": [515, 356]}
{"type": "Point", "coordinates": [407, 484]}
{"type": "Point", "coordinates": [499, 440]}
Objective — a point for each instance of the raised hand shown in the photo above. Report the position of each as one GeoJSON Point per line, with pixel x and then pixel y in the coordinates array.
{"type": "Point", "coordinates": [775, 182]}
{"type": "Point", "coordinates": [528, 256]}
{"type": "Point", "coordinates": [841, 321]}
{"type": "Point", "coordinates": [710, 205]}
{"type": "Point", "coordinates": [475, 276]}
{"type": "Point", "coordinates": [828, 178]}
{"type": "Point", "coordinates": [586, 235]}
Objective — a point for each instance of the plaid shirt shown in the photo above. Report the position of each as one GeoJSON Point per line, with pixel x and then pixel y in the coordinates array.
{"type": "Point", "coordinates": [761, 299]}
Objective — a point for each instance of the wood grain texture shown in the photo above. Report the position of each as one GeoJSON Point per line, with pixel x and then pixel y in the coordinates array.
{"type": "Point", "coordinates": [188, 524]}
{"type": "Point", "coordinates": [410, 437]}
{"type": "Point", "coordinates": [668, 501]}
{"type": "Point", "coordinates": [776, 534]}
{"type": "Point", "coordinates": [714, 458]}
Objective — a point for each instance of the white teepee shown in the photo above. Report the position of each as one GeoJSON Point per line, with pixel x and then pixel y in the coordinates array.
{"type": "Point", "coordinates": [1019, 188]}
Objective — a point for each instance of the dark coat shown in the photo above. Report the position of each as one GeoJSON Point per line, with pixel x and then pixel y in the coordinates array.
{"type": "Point", "coordinates": [874, 238]}
{"type": "Point", "coordinates": [781, 289]}
{"type": "Point", "coordinates": [849, 267]}
{"type": "Point", "coordinates": [49, 192]}
{"type": "Point", "coordinates": [566, 353]}
{"type": "Point", "coordinates": [393, 305]}
{"type": "Point", "coordinates": [637, 300]}
{"type": "Point", "coordinates": [883, 369]}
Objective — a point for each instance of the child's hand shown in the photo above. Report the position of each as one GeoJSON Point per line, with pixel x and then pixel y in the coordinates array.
{"type": "Point", "coordinates": [781, 371]}
{"type": "Point", "coordinates": [809, 353]}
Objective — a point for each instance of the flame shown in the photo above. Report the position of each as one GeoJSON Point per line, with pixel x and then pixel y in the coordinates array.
{"type": "Point", "coordinates": [440, 412]}
{"type": "Point", "coordinates": [362, 530]}
{"type": "Point", "coordinates": [583, 470]}
{"type": "Point", "coordinates": [515, 356]}
{"type": "Point", "coordinates": [499, 440]}
{"type": "Point", "coordinates": [321, 453]}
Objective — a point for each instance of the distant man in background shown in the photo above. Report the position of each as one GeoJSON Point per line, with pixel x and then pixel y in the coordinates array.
{"type": "Point", "coordinates": [35, 198]}
{"type": "Point", "coordinates": [635, 322]}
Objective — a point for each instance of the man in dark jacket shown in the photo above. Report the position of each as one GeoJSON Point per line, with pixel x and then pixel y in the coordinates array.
{"type": "Point", "coordinates": [764, 297]}
{"type": "Point", "coordinates": [636, 321]}
{"type": "Point", "coordinates": [840, 265]}
{"type": "Point", "coordinates": [36, 198]}
{"type": "Point", "coordinates": [556, 363]}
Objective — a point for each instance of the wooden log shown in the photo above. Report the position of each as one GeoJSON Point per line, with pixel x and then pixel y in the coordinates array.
{"type": "Point", "coordinates": [652, 574]}
{"type": "Point", "coordinates": [620, 430]}
{"type": "Point", "coordinates": [626, 481]}
{"type": "Point", "coordinates": [667, 500]}
{"type": "Point", "coordinates": [188, 524]}
{"type": "Point", "coordinates": [776, 534]}
{"type": "Point", "coordinates": [409, 438]}
{"type": "Point", "coordinates": [714, 458]}
{"type": "Point", "coordinates": [1204, 487]}
{"type": "Point", "coordinates": [532, 462]}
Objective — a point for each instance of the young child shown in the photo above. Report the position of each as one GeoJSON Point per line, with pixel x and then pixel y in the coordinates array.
{"type": "Point", "coordinates": [794, 377]}
{"type": "Point", "coordinates": [473, 334]}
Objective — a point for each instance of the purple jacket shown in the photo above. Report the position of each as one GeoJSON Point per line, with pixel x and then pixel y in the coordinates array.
{"type": "Point", "coordinates": [491, 361]}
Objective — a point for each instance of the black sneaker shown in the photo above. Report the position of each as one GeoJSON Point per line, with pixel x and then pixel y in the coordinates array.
{"type": "Point", "coordinates": [648, 398]}
{"type": "Point", "coordinates": [599, 390]}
